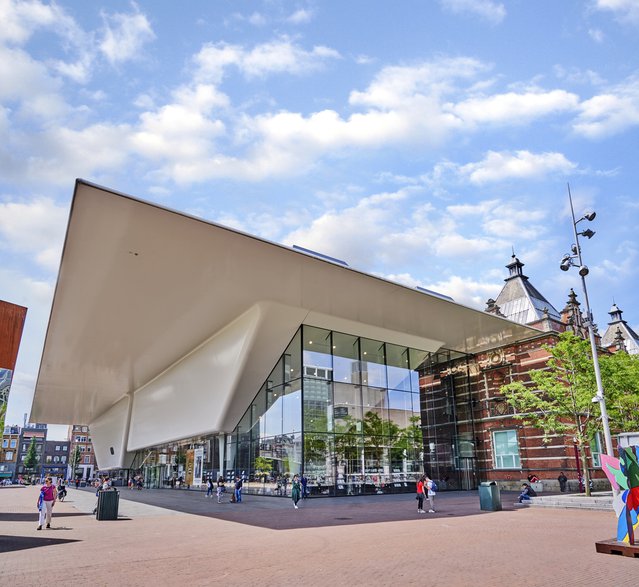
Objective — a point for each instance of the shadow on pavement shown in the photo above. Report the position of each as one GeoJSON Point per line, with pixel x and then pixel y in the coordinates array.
{"type": "Point", "coordinates": [278, 513]}
{"type": "Point", "coordinates": [13, 543]}
{"type": "Point", "coordinates": [33, 517]}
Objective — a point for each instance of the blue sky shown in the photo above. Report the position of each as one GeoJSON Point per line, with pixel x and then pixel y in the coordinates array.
{"type": "Point", "coordinates": [417, 140]}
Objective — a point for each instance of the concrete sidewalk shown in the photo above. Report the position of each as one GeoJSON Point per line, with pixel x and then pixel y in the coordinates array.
{"type": "Point", "coordinates": [376, 540]}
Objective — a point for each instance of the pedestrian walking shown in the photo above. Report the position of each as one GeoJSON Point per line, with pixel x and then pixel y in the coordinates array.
{"type": "Point", "coordinates": [209, 488]}
{"type": "Point", "coordinates": [304, 482]}
{"type": "Point", "coordinates": [46, 501]}
{"type": "Point", "coordinates": [61, 489]}
{"type": "Point", "coordinates": [296, 490]}
{"type": "Point", "coordinates": [430, 493]}
{"type": "Point", "coordinates": [421, 489]}
{"type": "Point", "coordinates": [221, 488]}
{"type": "Point", "coordinates": [563, 480]}
{"type": "Point", "coordinates": [238, 490]}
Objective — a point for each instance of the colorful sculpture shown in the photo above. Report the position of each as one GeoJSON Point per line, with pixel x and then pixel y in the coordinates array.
{"type": "Point", "coordinates": [623, 474]}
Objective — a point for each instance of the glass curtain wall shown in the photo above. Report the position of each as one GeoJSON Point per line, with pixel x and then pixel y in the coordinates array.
{"type": "Point", "coordinates": [347, 412]}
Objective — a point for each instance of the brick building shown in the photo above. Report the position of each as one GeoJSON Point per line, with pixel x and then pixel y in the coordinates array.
{"type": "Point", "coordinates": [80, 438]}
{"type": "Point", "coordinates": [508, 451]}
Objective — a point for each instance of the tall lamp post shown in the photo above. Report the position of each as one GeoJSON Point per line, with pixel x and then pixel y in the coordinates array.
{"type": "Point", "coordinates": [574, 260]}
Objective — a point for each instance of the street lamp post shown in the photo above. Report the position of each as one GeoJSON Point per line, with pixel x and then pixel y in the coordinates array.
{"type": "Point", "coordinates": [574, 260]}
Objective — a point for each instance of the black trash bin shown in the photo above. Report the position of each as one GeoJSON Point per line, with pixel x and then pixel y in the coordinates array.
{"type": "Point", "coordinates": [108, 503]}
{"type": "Point", "coordinates": [489, 497]}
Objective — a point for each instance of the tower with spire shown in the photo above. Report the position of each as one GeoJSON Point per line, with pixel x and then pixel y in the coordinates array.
{"type": "Point", "coordinates": [619, 335]}
{"type": "Point", "coordinates": [520, 301]}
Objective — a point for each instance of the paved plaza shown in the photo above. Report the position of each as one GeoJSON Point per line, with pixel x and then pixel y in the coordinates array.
{"type": "Point", "coordinates": [165, 537]}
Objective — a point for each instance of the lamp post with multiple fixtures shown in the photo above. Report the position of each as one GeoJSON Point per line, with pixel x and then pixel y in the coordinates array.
{"type": "Point", "coordinates": [574, 260]}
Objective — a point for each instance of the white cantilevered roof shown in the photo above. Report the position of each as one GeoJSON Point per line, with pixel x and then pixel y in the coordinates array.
{"type": "Point", "coordinates": [140, 287]}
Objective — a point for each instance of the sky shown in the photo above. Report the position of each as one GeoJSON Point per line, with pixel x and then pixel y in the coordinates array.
{"type": "Point", "coordinates": [422, 140]}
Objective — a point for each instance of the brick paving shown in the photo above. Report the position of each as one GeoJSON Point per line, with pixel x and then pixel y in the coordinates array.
{"type": "Point", "coordinates": [165, 537]}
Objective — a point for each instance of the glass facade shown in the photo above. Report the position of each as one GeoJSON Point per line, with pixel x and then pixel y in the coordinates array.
{"type": "Point", "coordinates": [355, 415]}
{"type": "Point", "coordinates": [348, 412]}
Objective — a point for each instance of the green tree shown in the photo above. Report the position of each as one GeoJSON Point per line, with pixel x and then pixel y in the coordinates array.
{"type": "Point", "coordinates": [75, 460]}
{"type": "Point", "coordinates": [559, 398]}
{"type": "Point", "coordinates": [31, 458]}
{"type": "Point", "coordinates": [620, 378]}
{"type": "Point", "coordinates": [263, 466]}
{"type": "Point", "coordinates": [376, 435]}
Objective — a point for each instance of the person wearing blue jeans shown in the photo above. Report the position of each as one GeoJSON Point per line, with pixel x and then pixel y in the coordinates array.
{"type": "Point", "coordinates": [238, 490]}
{"type": "Point", "coordinates": [524, 495]}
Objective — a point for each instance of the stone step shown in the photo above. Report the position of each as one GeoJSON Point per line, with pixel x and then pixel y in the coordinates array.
{"type": "Point", "coordinates": [595, 502]}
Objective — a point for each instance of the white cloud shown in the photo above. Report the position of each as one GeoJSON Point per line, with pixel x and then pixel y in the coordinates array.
{"type": "Point", "coordinates": [625, 10]}
{"type": "Point", "coordinates": [36, 228]}
{"type": "Point", "coordinates": [596, 35]}
{"type": "Point", "coordinates": [21, 19]}
{"type": "Point", "coordinates": [403, 227]}
{"type": "Point", "coordinates": [257, 19]}
{"type": "Point", "coordinates": [393, 85]}
{"type": "Point", "coordinates": [348, 233]}
{"type": "Point", "coordinates": [28, 82]}
{"type": "Point", "coordinates": [184, 129]}
{"type": "Point", "coordinates": [500, 166]}
{"type": "Point", "coordinates": [610, 113]}
{"type": "Point", "coordinates": [301, 16]}
{"type": "Point", "coordinates": [493, 12]}
{"type": "Point", "coordinates": [514, 108]}
{"type": "Point", "coordinates": [576, 75]}
{"type": "Point", "coordinates": [503, 219]}
{"type": "Point", "coordinates": [280, 56]}
{"type": "Point", "coordinates": [467, 291]}
{"type": "Point", "coordinates": [621, 266]}
{"type": "Point", "coordinates": [124, 35]}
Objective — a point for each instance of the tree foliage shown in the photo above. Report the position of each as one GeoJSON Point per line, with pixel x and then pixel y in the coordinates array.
{"type": "Point", "coordinates": [75, 459]}
{"type": "Point", "coordinates": [31, 458]}
{"type": "Point", "coordinates": [620, 376]}
{"type": "Point", "coordinates": [559, 398]}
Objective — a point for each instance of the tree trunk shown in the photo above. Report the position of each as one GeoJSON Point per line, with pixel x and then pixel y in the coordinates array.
{"type": "Point", "coordinates": [584, 466]}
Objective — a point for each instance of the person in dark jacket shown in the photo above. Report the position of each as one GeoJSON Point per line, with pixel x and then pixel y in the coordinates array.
{"type": "Point", "coordinates": [563, 480]}
{"type": "Point", "coordinates": [526, 493]}
{"type": "Point", "coordinates": [238, 490]}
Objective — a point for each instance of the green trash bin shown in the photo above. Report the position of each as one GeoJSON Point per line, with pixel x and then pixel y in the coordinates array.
{"type": "Point", "coordinates": [489, 497]}
{"type": "Point", "coordinates": [108, 503]}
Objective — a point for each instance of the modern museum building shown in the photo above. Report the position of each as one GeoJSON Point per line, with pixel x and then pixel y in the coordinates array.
{"type": "Point", "coordinates": [193, 350]}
